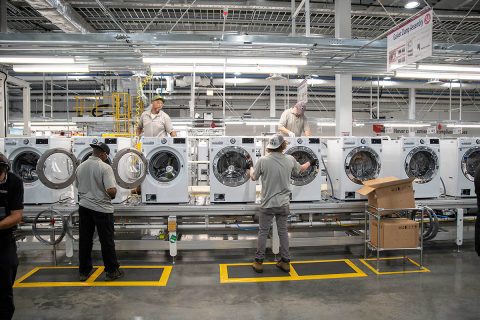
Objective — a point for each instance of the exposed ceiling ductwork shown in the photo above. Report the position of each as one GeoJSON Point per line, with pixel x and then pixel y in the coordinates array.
{"type": "Point", "coordinates": [62, 15]}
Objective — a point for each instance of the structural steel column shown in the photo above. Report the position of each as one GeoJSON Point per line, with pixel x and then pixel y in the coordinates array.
{"type": "Point", "coordinates": [3, 16]}
{"type": "Point", "coordinates": [411, 109]}
{"type": "Point", "coordinates": [272, 105]}
{"type": "Point", "coordinates": [343, 82]}
{"type": "Point", "coordinates": [3, 106]}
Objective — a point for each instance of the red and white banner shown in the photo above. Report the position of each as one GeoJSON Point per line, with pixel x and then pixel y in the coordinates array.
{"type": "Point", "coordinates": [411, 41]}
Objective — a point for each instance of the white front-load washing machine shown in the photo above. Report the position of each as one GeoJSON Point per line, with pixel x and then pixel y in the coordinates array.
{"type": "Point", "coordinates": [229, 178]}
{"type": "Point", "coordinates": [459, 158]}
{"type": "Point", "coordinates": [307, 185]}
{"type": "Point", "coordinates": [167, 178]}
{"type": "Point", "coordinates": [418, 158]}
{"type": "Point", "coordinates": [350, 161]}
{"type": "Point", "coordinates": [46, 166]}
{"type": "Point", "coordinates": [82, 151]}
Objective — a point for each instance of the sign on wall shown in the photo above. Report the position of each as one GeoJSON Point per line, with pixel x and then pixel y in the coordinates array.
{"type": "Point", "coordinates": [302, 92]}
{"type": "Point", "coordinates": [410, 41]}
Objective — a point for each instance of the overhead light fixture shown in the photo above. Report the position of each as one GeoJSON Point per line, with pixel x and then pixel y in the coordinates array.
{"type": "Point", "coordinates": [448, 67]}
{"type": "Point", "coordinates": [454, 80]}
{"type": "Point", "coordinates": [36, 60]}
{"type": "Point", "coordinates": [463, 125]}
{"type": "Point", "coordinates": [387, 78]}
{"type": "Point", "coordinates": [52, 68]}
{"type": "Point", "coordinates": [358, 124]}
{"type": "Point", "coordinates": [406, 125]}
{"type": "Point", "coordinates": [452, 84]}
{"type": "Point", "coordinates": [326, 124]}
{"type": "Point", "coordinates": [412, 4]}
{"type": "Point", "coordinates": [267, 61]}
{"type": "Point", "coordinates": [184, 60]}
{"type": "Point", "coordinates": [220, 69]}
{"type": "Point", "coordinates": [436, 75]}
{"type": "Point", "coordinates": [261, 123]}
{"type": "Point", "coordinates": [315, 81]}
{"type": "Point", "coordinates": [237, 73]}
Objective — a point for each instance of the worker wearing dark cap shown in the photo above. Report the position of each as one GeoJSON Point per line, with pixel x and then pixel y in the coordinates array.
{"type": "Point", "coordinates": [155, 122]}
{"type": "Point", "coordinates": [11, 212]}
{"type": "Point", "coordinates": [96, 189]}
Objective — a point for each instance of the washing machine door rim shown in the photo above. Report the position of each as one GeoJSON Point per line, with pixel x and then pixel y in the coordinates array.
{"type": "Point", "coordinates": [466, 166]}
{"type": "Point", "coordinates": [306, 177]}
{"type": "Point", "coordinates": [373, 155]}
{"type": "Point", "coordinates": [141, 166]}
{"type": "Point", "coordinates": [42, 166]}
{"type": "Point", "coordinates": [169, 173]}
{"type": "Point", "coordinates": [239, 174]}
{"type": "Point", "coordinates": [432, 168]}
{"type": "Point", "coordinates": [16, 155]}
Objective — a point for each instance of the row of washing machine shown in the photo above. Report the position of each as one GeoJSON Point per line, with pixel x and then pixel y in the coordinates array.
{"type": "Point", "coordinates": [47, 166]}
{"type": "Point", "coordinates": [437, 166]}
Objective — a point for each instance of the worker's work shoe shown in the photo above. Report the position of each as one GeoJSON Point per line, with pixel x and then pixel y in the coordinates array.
{"type": "Point", "coordinates": [84, 277]}
{"type": "Point", "coordinates": [114, 275]}
{"type": "Point", "coordinates": [284, 265]}
{"type": "Point", "coordinates": [257, 266]}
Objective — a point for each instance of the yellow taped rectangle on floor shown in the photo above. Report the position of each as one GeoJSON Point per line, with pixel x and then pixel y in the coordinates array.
{"type": "Point", "coordinates": [352, 271]}
{"type": "Point", "coordinates": [378, 272]}
{"type": "Point", "coordinates": [23, 281]}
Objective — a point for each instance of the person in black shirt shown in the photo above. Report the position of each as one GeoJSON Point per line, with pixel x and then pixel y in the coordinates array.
{"type": "Point", "coordinates": [11, 212]}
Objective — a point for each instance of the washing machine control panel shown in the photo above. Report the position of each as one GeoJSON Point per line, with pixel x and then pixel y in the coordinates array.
{"type": "Point", "coordinates": [39, 141]}
{"type": "Point", "coordinates": [179, 141]}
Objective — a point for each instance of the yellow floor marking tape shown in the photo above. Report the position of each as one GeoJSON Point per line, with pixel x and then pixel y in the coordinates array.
{"type": "Point", "coordinates": [91, 281]}
{"type": "Point", "coordinates": [224, 278]}
{"type": "Point", "coordinates": [368, 265]}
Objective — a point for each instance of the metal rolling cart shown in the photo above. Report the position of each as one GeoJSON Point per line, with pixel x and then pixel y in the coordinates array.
{"type": "Point", "coordinates": [378, 214]}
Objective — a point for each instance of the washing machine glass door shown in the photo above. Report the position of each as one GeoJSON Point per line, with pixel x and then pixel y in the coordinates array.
{"type": "Point", "coordinates": [470, 162]}
{"type": "Point", "coordinates": [130, 168]}
{"type": "Point", "coordinates": [303, 154]}
{"type": "Point", "coordinates": [229, 166]}
{"type": "Point", "coordinates": [56, 168]}
{"type": "Point", "coordinates": [362, 164]}
{"type": "Point", "coordinates": [422, 164]}
{"type": "Point", "coordinates": [165, 165]}
{"type": "Point", "coordinates": [25, 165]}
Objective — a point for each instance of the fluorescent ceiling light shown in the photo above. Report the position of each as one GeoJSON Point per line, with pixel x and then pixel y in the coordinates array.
{"type": "Point", "coordinates": [261, 123]}
{"type": "Point", "coordinates": [448, 67]}
{"type": "Point", "coordinates": [436, 75]}
{"type": "Point", "coordinates": [46, 123]}
{"type": "Point", "coordinates": [326, 124]}
{"type": "Point", "coordinates": [234, 122]}
{"type": "Point", "coordinates": [463, 125]}
{"type": "Point", "coordinates": [51, 68]}
{"type": "Point", "coordinates": [184, 60]}
{"type": "Point", "coordinates": [267, 61]}
{"type": "Point", "coordinates": [383, 83]}
{"type": "Point", "coordinates": [452, 84]}
{"type": "Point", "coordinates": [412, 4]}
{"type": "Point", "coordinates": [238, 80]}
{"type": "Point", "coordinates": [36, 60]}
{"type": "Point", "coordinates": [315, 81]}
{"type": "Point", "coordinates": [357, 124]}
{"type": "Point", "coordinates": [387, 78]}
{"type": "Point", "coordinates": [406, 125]}
{"type": "Point", "coordinates": [220, 69]}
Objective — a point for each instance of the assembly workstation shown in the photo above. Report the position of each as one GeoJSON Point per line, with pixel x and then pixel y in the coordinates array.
{"type": "Point", "coordinates": [248, 159]}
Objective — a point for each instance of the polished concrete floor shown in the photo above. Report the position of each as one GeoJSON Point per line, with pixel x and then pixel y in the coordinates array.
{"type": "Point", "coordinates": [450, 291]}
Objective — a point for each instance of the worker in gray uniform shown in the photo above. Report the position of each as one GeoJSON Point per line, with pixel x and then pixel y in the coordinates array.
{"type": "Point", "coordinates": [476, 181]}
{"type": "Point", "coordinates": [293, 122]}
{"type": "Point", "coordinates": [96, 189]}
{"type": "Point", "coordinates": [275, 170]}
{"type": "Point", "coordinates": [155, 122]}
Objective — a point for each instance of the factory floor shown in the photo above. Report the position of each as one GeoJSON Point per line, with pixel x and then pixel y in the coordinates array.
{"type": "Point", "coordinates": [449, 291]}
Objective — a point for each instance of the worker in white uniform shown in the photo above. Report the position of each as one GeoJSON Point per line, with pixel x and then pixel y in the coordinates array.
{"type": "Point", "coordinates": [275, 170]}
{"type": "Point", "coordinates": [293, 122]}
{"type": "Point", "coordinates": [155, 122]}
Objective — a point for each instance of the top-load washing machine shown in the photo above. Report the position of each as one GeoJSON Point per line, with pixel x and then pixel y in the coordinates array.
{"type": "Point", "coordinates": [459, 158]}
{"type": "Point", "coordinates": [350, 161]}
{"type": "Point", "coordinates": [229, 178]}
{"type": "Point", "coordinates": [46, 166]}
{"type": "Point", "coordinates": [418, 158]}
{"type": "Point", "coordinates": [306, 185]}
{"type": "Point", "coordinates": [167, 177]}
{"type": "Point", "coordinates": [82, 151]}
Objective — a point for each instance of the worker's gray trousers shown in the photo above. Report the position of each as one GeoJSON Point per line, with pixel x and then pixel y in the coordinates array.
{"type": "Point", "coordinates": [265, 221]}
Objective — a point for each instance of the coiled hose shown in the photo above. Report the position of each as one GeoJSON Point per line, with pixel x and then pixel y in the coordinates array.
{"type": "Point", "coordinates": [433, 225]}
